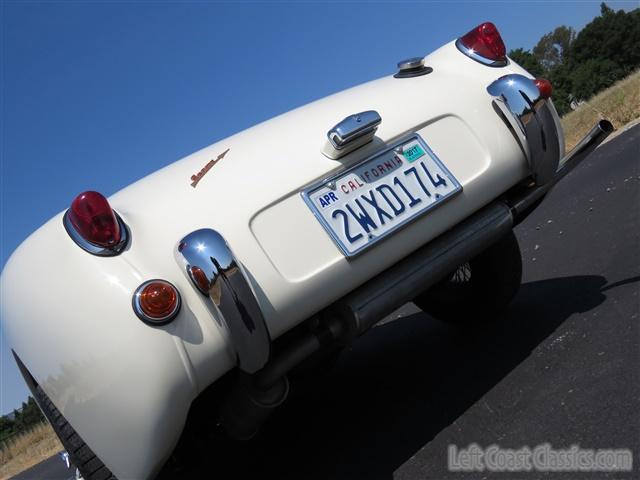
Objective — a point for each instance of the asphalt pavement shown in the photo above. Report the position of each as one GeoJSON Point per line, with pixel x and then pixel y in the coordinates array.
{"type": "Point", "coordinates": [53, 468]}
{"type": "Point", "coordinates": [561, 368]}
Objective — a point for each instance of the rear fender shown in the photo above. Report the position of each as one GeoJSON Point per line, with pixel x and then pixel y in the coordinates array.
{"type": "Point", "coordinates": [124, 386]}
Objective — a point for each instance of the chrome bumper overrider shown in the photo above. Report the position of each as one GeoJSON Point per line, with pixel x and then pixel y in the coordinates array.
{"type": "Point", "coordinates": [211, 266]}
{"type": "Point", "coordinates": [534, 122]}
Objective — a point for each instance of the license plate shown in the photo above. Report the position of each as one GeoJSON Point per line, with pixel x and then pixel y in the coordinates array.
{"type": "Point", "coordinates": [376, 197]}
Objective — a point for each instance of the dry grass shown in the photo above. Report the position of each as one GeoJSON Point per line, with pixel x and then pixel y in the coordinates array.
{"type": "Point", "coordinates": [620, 103]}
{"type": "Point", "coordinates": [28, 449]}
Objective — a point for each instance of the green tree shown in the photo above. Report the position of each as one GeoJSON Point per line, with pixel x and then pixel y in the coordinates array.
{"type": "Point", "coordinates": [606, 9]}
{"type": "Point", "coordinates": [552, 49]}
{"type": "Point", "coordinates": [605, 50]}
{"type": "Point", "coordinates": [593, 76]}
{"type": "Point", "coordinates": [561, 80]}
{"type": "Point", "coordinates": [552, 52]}
{"type": "Point", "coordinates": [528, 61]}
{"type": "Point", "coordinates": [18, 424]}
{"type": "Point", "coordinates": [579, 66]}
{"type": "Point", "coordinates": [31, 413]}
{"type": "Point", "coordinates": [28, 416]}
{"type": "Point", "coordinates": [6, 428]}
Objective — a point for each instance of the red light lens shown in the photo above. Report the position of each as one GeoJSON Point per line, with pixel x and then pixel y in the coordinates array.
{"type": "Point", "coordinates": [544, 86]}
{"type": "Point", "coordinates": [92, 216]}
{"type": "Point", "coordinates": [485, 40]}
{"type": "Point", "coordinates": [158, 299]}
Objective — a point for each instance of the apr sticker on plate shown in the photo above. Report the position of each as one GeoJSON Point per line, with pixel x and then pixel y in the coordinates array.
{"type": "Point", "coordinates": [374, 198]}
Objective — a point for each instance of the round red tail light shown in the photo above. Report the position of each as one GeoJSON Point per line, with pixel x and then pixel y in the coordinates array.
{"type": "Point", "coordinates": [156, 302]}
{"type": "Point", "coordinates": [484, 44]}
{"type": "Point", "coordinates": [544, 86]}
{"type": "Point", "coordinates": [94, 220]}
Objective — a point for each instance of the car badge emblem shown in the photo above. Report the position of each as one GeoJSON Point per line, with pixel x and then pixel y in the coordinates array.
{"type": "Point", "coordinates": [198, 176]}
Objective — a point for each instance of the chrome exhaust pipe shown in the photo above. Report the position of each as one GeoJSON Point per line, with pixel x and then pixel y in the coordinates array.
{"type": "Point", "coordinates": [522, 203]}
{"type": "Point", "coordinates": [588, 144]}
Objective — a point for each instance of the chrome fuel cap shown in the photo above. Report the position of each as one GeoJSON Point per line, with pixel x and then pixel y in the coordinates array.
{"type": "Point", "coordinates": [412, 67]}
{"type": "Point", "coordinates": [411, 63]}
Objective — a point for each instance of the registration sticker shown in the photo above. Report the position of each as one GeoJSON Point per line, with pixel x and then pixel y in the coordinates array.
{"type": "Point", "coordinates": [413, 153]}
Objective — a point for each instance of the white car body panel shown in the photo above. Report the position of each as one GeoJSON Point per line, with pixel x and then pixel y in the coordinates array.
{"type": "Point", "coordinates": [79, 336]}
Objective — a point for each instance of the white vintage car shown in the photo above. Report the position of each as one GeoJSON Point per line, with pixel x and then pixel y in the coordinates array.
{"type": "Point", "coordinates": [236, 264]}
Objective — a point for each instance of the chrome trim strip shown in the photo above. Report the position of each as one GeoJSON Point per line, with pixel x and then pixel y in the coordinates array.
{"type": "Point", "coordinates": [329, 181]}
{"type": "Point", "coordinates": [210, 265]}
{"type": "Point", "coordinates": [469, 52]}
{"type": "Point", "coordinates": [98, 250]}
{"type": "Point", "coordinates": [156, 322]}
{"type": "Point", "coordinates": [533, 121]}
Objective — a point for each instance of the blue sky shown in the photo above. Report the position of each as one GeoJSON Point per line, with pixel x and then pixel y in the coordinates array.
{"type": "Point", "coordinates": [96, 95]}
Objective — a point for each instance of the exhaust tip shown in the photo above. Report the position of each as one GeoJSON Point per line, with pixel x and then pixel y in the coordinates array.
{"type": "Point", "coordinates": [606, 126]}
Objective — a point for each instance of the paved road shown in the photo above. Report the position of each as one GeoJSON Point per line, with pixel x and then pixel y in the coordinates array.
{"type": "Point", "coordinates": [561, 368]}
{"type": "Point", "coordinates": [52, 468]}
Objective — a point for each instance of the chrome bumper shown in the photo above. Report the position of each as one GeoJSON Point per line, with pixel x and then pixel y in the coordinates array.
{"type": "Point", "coordinates": [210, 265]}
{"type": "Point", "coordinates": [534, 122]}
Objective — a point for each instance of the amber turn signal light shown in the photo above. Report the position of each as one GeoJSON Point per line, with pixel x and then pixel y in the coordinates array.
{"type": "Point", "coordinates": [156, 302]}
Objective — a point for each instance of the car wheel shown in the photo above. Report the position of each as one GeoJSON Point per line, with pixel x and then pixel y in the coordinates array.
{"type": "Point", "coordinates": [89, 465]}
{"type": "Point", "coordinates": [479, 290]}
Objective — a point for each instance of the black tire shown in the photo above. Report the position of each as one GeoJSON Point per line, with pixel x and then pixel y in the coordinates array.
{"type": "Point", "coordinates": [478, 291]}
{"type": "Point", "coordinates": [80, 454]}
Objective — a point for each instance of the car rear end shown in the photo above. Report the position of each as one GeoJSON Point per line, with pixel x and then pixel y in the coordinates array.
{"type": "Point", "coordinates": [246, 234]}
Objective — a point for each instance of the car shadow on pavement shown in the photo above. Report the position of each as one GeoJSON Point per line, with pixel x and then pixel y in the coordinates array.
{"type": "Point", "coordinates": [396, 388]}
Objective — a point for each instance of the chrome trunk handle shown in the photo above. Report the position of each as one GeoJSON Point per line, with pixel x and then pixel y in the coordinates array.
{"type": "Point", "coordinates": [353, 127]}
{"type": "Point", "coordinates": [351, 133]}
